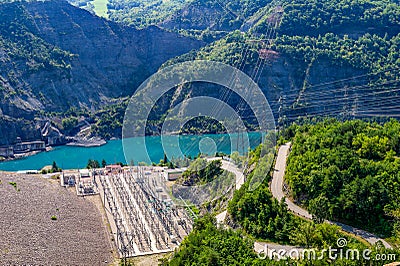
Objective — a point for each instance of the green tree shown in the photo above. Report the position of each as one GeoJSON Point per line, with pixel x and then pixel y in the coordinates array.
{"type": "Point", "coordinates": [319, 208]}
{"type": "Point", "coordinates": [92, 164]}
{"type": "Point", "coordinates": [165, 160]}
{"type": "Point", "coordinates": [55, 168]}
{"type": "Point", "coordinates": [69, 123]}
{"type": "Point", "coordinates": [347, 171]}
{"type": "Point", "coordinates": [304, 235]}
{"type": "Point", "coordinates": [209, 245]}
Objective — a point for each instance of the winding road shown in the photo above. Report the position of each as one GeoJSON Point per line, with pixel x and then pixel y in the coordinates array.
{"type": "Point", "coordinates": [277, 192]}
{"type": "Point", "coordinates": [230, 167]}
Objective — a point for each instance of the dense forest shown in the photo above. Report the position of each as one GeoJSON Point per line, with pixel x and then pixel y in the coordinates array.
{"type": "Point", "coordinates": [340, 16]}
{"type": "Point", "coordinates": [142, 13]}
{"type": "Point", "coordinates": [209, 245]}
{"type": "Point", "coordinates": [348, 171]}
{"type": "Point", "coordinates": [263, 217]}
{"type": "Point", "coordinates": [258, 217]}
{"type": "Point", "coordinates": [371, 50]}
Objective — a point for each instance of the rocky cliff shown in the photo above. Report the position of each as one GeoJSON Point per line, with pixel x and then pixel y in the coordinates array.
{"type": "Point", "coordinates": [54, 56]}
{"type": "Point", "coordinates": [310, 58]}
{"type": "Point", "coordinates": [313, 58]}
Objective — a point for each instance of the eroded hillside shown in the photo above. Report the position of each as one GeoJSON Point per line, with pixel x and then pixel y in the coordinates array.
{"type": "Point", "coordinates": [54, 56]}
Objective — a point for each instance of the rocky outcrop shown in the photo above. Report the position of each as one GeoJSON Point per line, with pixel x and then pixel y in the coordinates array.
{"type": "Point", "coordinates": [199, 15]}
{"type": "Point", "coordinates": [11, 128]}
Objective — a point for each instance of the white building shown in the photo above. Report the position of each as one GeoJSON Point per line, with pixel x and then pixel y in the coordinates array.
{"type": "Point", "coordinates": [173, 174]}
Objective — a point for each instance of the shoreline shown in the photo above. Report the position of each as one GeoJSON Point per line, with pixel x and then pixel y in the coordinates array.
{"type": "Point", "coordinates": [77, 143]}
{"type": "Point", "coordinates": [87, 144]}
{"type": "Point", "coordinates": [20, 156]}
{"type": "Point", "coordinates": [66, 158]}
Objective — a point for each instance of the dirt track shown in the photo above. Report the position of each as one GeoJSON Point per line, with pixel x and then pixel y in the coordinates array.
{"type": "Point", "coordinates": [28, 235]}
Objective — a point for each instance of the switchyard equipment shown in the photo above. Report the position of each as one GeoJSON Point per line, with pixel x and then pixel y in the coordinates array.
{"type": "Point", "coordinates": [86, 184]}
{"type": "Point", "coordinates": [142, 223]}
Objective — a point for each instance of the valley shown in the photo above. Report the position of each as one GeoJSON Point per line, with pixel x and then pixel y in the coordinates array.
{"type": "Point", "coordinates": [316, 161]}
{"type": "Point", "coordinates": [293, 71]}
{"type": "Point", "coordinates": [80, 61]}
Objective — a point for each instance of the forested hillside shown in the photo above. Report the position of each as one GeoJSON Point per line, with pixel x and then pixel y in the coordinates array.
{"type": "Point", "coordinates": [257, 216]}
{"type": "Point", "coordinates": [340, 17]}
{"type": "Point", "coordinates": [328, 58]}
{"type": "Point", "coordinates": [348, 172]}
{"type": "Point", "coordinates": [138, 13]}
{"type": "Point", "coordinates": [310, 58]}
{"type": "Point", "coordinates": [206, 19]}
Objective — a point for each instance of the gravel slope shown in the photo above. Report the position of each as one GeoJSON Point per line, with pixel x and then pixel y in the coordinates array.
{"type": "Point", "coordinates": [28, 235]}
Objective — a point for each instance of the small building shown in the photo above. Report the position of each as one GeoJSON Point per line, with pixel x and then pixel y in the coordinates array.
{"type": "Point", "coordinates": [23, 147]}
{"type": "Point", "coordinates": [84, 173]}
{"type": "Point", "coordinates": [173, 174]}
{"type": "Point", "coordinates": [114, 169]}
{"type": "Point", "coordinates": [85, 184]}
{"type": "Point", "coordinates": [7, 151]}
{"type": "Point", "coordinates": [68, 180]}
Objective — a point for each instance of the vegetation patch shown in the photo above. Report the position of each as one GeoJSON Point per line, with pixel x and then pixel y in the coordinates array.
{"type": "Point", "coordinates": [349, 172]}
{"type": "Point", "coordinates": [14, 184]}
{"type": "Point", "coordinates": [54, 169]}
{"type": "Point", "coordinates": [209, 245]}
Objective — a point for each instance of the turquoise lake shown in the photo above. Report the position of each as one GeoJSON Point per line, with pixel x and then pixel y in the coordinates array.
{"type": "Point", "coordinates": [70, 157]}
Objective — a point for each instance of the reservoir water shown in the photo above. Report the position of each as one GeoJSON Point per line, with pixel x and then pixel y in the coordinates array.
{"type": "Point", "coordinates": [70, 157]}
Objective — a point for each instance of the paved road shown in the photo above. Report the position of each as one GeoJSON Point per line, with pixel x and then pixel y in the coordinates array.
{"type": "Point", "coordinates": [277, 182]}
{"type": "Point", "coordinates": [230, 167]}
{"type": "Point", "coordinates": [270, 248]}
{"type": "Point", "coordinates": [277, 192]}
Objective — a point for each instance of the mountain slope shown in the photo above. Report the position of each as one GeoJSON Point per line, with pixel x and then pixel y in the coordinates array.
{"type": "Point", "coordinates": [310, 58]}
{"type": "Point", "coordinates": [346, 70]}
{"type": "Point", "coordinates": [318, 58]}
{"type": "Point", "coordinates": [213, 19]}
{"type": "Point", "coordinates": [54, 56]}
